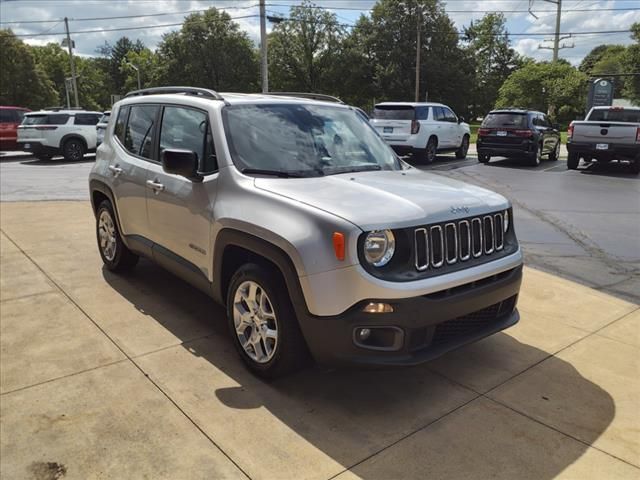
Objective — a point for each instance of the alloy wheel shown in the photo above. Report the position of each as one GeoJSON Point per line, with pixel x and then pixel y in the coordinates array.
{"type": "Point", "coordinates": [107, 236]}
{"type": "Point", "coordinates": [255, 322]}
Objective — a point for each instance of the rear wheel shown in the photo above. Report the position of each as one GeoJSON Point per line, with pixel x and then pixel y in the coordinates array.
{"type": "Point", "coordinates": [483, 158]}
{"type": "Point", "coordinates": [461, 153]}
{"type": "Point", "coordinates": [572, 161]}
{"type": "Point", "coordinates": [428, 155]}
{"type": "Point", "coordinates": [553, 156]}
{"type": "Point", "coordinates": [73, 150]}
{"type": "Point", "coordinates": [115, 254]}
{"type": "Point", "coordinates": [536, 157]}
{"type": "Point", "coordinates": [263, 324]}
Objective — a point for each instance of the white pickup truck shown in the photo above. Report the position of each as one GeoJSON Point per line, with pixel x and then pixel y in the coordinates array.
{"type": "Point", "coordinates": [608, 133]}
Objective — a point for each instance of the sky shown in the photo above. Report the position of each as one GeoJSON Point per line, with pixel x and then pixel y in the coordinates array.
{"type": "Point", "coordinates": [577, 16]}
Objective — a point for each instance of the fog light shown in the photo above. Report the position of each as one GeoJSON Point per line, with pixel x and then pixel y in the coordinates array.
{"type": "Point", "coordinates": [363, 334]}
{"type": "Point", "coordinates": [377, 308]}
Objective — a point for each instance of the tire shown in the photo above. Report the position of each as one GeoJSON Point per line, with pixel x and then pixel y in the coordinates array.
{"type": "Point", "coordinates": [573, 160]}
{"type": "Point", "coordinates": [536, 158]}
{"type": "Point", "coordinates": [553, 156]}
{"type": "Point", "coordinates": [461, 153]}
{"type": "Point", "coordinates": [73, 150]}
{"type": "Point", "coordinates": [115, 254]}
{"type": "Point", "coordinates": [635, 166]}
{"type": "Point", "coordinates": [260, 295]}
{"type": "Point", "coordinates": [428, 155]}
{"type": "Point", "coordinates": [483, 158]}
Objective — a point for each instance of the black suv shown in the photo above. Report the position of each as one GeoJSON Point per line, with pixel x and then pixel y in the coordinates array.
{"type": "Point", "coordinates": [516, 133]}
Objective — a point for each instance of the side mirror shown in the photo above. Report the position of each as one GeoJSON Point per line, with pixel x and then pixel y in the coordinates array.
{"type": "Point", "coordinates": [460, 119]}
{"type": "Point", "coordinates": [181, 162]}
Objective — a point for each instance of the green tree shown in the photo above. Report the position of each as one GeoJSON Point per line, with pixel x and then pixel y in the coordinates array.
{"type": "Point", "coordinates": [22, 81]}
{"type": "Point", "coordinates": [598, 53]}
{"type": "Point", "coordinates": [632, 64]}
{"type": "Point", "coordinates": [536, 86]}
{"type": "Point", "coordinates": [209, 51]}
{"type": "Point", "coordinates": [114, 55]}
{"type": "Point", "coordinates": [489, 50]}
{"type": "Point", "coordinates": [390, 41]}
{"type": "Point", "coordinates": [304, 49]}
{"type": "Point", "coordinates": [148, 63]}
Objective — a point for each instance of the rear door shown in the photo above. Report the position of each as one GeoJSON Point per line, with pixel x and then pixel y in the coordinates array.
{"type": "Point", "coordinates": [8, 126]}
{"type": "Point", "coordinates": [132, 141]}
{"type": "Point", "coordinates": [450, 129]}
{"type": "Point", "coordinates": [393, 122]}
{"type": "Point", "coordinates": [180, 209]}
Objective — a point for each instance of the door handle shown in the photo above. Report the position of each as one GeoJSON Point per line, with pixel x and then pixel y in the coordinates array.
{"type": "Point", "coordinates": [115, 170]}
{"type": "Point", "coordinates": [155, 186]}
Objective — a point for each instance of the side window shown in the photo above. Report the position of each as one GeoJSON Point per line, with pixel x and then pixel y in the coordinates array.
{"type": "Point", "coordinates": [86, 119]}
{"type": "Point", "coordinates": [138, 136]}
{"type": "Point", "coordinates": [60, 119]}
{"type": "Point", "coordinates": [422, 113]}
{"type": "Point", "coordinates": [7, 116]}
{"type": "Point", "coordinates": [438, 114]}
{"type": "Point", "coordinates": [121, 124]}
{"type": "Point", "coordinates": [188, 129]}
{"type": "Point", "coordinates": [450, 116]}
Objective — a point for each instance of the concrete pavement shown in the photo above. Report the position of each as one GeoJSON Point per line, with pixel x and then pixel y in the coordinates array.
{"type": "Point", "coordinates": [106, 376]}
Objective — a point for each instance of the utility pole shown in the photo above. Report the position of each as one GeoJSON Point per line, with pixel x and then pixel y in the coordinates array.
{"type": "Point", "coordinates": [556, 38]}
{"type": "Point", "coordinates": [73, 68]}
{"type": "Point", "coordinates": [418, 48]}
{"type": "Point", "coordinates": [263, 48]}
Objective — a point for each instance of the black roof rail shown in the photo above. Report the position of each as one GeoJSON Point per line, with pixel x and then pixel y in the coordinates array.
{"type": "Point", "coordinates": [313, 96]}
{"type": "Point", "coordinates": [196, 91]}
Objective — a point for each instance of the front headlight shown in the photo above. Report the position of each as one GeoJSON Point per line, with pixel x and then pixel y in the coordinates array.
{"type": "Point", "coordinates": [379, 247]}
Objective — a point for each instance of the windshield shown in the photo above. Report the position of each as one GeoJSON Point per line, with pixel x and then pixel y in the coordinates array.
{"type": "Point", "coordinates": [304, 140]}
{"type": "Point", "coordinates": [394, 112]}
{"type": "Point", "coordinates": [615, 115]}
{"type": "Point", "coordinates": [514, 120]}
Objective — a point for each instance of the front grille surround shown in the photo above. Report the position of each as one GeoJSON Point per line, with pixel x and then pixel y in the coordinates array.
{"type": "Point", "coordinates": [425, 251]}
{"type": "Point", "coordinates": [458, 241]}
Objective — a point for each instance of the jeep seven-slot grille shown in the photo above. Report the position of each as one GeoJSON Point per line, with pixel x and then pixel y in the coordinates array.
{"type": "Point", "coordinates": [459, 241]}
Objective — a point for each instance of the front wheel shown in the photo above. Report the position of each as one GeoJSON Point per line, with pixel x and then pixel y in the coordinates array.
{"type": "Point", "coordinates": [262, 322]}
{"type": "Point", "coordinates": [461, 153]}
{"type": "Point", "coordinates": [572, 161]}
{"type": "Point", "coordinates": [115, 254]}
{"type": "Point", "coordinates": [483, 158]}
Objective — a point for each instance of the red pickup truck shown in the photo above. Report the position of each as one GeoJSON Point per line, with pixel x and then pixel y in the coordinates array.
{"type": "Point", "coordinates": [10, 118]}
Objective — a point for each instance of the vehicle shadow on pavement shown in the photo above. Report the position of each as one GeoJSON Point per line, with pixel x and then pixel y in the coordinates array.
{"type": "Point", "coordinates": [57, 161]}
{"type": "Point", "coordinates": [319, 422]}
{"type": "Point", "coordinates": [611, 169]}
{"type": "Point", "coordinates": [519, 163]}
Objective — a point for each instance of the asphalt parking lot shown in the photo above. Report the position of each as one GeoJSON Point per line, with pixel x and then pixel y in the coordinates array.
{"type": "Point", "coordinates": [106, 376]}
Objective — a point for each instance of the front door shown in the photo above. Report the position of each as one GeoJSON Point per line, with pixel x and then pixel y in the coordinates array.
{"type": "Point", "coordinates": [180, 210]}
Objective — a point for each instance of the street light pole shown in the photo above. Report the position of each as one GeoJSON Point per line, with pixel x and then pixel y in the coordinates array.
{"type": "Point", "coordinates": [73, 67]}
{"type": "Point", "coordinates": [263, 48]}
{"type": "Point", "coordinates": [137, 73]}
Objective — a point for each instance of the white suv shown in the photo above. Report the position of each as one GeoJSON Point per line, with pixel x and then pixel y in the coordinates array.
{"type": "Point", "coordinates": [70, 133]}
{"type": "Point", "coordinates": [422, 129]}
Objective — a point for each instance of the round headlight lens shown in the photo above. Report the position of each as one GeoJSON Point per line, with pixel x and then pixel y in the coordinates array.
{"type": "Point", "coordinates": [506, 220]}
{"type": "Point", "coordinates": [379, 247]}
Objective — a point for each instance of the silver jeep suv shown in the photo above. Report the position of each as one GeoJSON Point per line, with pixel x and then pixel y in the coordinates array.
{"type": "Point", "coordinates": [292, 212]}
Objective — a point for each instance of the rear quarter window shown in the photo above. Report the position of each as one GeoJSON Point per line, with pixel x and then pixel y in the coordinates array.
{"type": "Point", "coordinates": [46, 119]}
{"type": "Point", "coordinates": [394, 112]}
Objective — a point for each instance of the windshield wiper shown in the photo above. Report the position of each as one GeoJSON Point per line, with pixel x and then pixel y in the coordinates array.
{"type": "Point", "coordinates": [354, 169]}
{"type": "Point", "coordinates": [278, 173]}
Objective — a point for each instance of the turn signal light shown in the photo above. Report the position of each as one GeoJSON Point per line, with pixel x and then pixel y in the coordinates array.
{"type": "Point", "coordinates": [415, 127]}
{"type": "Point", "coordinates": [338, 245]}
{"type": "Point", "coordinates": [638, 135]}
{"type": "Point", "coordinates": [377, 307]}
{"type": "Point", "coordinates": [524, 133]}
{"type": "Point", "coordinates": [570, 132]}
{"type": "Point", "coordinates": [484, 131]}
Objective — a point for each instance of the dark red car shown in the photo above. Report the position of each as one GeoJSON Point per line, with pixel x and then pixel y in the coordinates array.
{"type": "Point", "coordinates": [10, 118]}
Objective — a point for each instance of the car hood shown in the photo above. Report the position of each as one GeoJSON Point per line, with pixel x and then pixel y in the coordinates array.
{"type": "Point", "coordinates": [388, 199]}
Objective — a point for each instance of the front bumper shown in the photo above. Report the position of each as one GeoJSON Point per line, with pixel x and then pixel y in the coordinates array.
{"type": "Point", "coordinates": [426, 326]}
